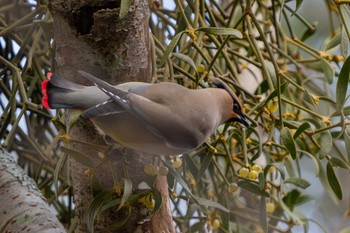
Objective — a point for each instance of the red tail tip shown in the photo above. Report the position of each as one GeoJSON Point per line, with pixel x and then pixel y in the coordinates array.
{"type": "Point", "coordinates": [45, 99]}
{"type": "Point", "coordinates": [49, 74]}
{"type": "Point", "coordinates": [45, 102]}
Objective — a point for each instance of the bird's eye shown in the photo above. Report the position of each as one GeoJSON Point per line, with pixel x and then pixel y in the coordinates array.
{"type": "Point", "coordinates": [236, 107]}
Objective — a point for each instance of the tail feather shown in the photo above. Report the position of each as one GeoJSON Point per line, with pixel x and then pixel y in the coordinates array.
{"type": "Point", "coordinates": [57, 92]}
{"type": "Point", "coordinates": [45, 99]}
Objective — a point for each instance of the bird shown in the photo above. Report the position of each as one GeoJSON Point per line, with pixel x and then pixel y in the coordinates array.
{"type": "Point", "coordinates": [162, 118]}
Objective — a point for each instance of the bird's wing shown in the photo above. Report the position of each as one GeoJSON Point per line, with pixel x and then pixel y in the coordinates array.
{"type": "Point", "coordinates": [111, 106]}
{"type": "Point", "coordinates": [103, 109]}
{"type": "Point", "coordinates": [174, 128]}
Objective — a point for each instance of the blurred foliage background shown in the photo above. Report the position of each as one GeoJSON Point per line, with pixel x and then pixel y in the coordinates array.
{"type": "Point", "coordinates": [293, 82]}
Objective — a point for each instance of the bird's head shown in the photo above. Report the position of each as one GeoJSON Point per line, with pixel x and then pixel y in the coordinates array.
{"type": "Point", "coordinates": [237, 113]}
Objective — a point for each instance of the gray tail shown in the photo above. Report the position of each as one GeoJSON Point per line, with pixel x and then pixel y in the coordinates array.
{"type": "Point", "coordinates": [58, 92]}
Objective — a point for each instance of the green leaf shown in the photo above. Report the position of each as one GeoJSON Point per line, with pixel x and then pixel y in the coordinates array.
{"type": "Point", "coordinates": [60, 163]}
{"type": "Point", "coordinates": [158, 200]}
{"type": "Point", "coordinates": [307, 98]}
{"type": "Point", "coordinates": [346, 110]}
{"type": "Point", "coordinates": [333, 181]}
{"type": "Point", "coordinates": [297, 5]}
{"type": "Point", "coordinates": [275, 165]}
{"type": "Point", "coordinates": [323, 66]}
{"type": "Point", "coordinates": [191, 165]}
{"type": "Point", "coordinates": [252, 187]}
{"type": "Point", "coordinates": [289, 167]}
{"type": "Point", "coordinates": [272, 72]}
{"type": "Point", "coordinates": [317, 166]}
{"type": "Point", "coordinates": [122, 220]}
{"type": "Point", "coordinates": [344, 43]}
{"type": "Point", "coordinates": [309, 32]}
{"type": "Point", "coordinates": [262, 181]}
{"type": "Point", "coordinates": [304, 199]}
{"type": "Point", "coordinates": [170, 48]}
{"type": "Point", "coordinates": [95, 207]}
{"type": "Point", "coordinates": [325, 142]}
{"type": "Point", "coordinates": [263, 215]}
{"type": "Point", "coordinates": [291, 198]}
{"type": "Point", "coordinates": [288, 142]}
{"type": "Point", "coordinates": [221, 31]}
{"type": "Point", "coordinates": [298, 182]}
{"type": "Point", "coordinates": [259, 151]}
{"type": "Point", "coordinates": [74, 116]}
{"type": "Point", "coordinates": [342, 84]}
{"type": "Point", "coordinates": [301, 129]}
{"type": "Point", "coordinates": [186, 59]}
{"type": "Point", "coordinates": [181, 21]}
{"type": "Point", "coordinates": [133, 198]}
{"type": "Point", "coordinates": [275, 93]}
{"type": "Point", "coordinates": [84, 159]}
{"type": "Point", "coordinates": [210, 203]}
{"type": "Point", "coordinates": [334, 41]}
{"type": "Point", "coordinates": [294, 198]}
{"type": "Point", "coordinates": [204, 165]}
{"type": "Point", "coordinates": [345, 11]}
{"type": "Point", "coordinates": [124, 8]}
{"type": "Point", "coordinates": [179, 179]}
{"type": "Point", "coordinates": [339, 163]}
{"type": "Point", "coordinates": [347, 142]}
{"type": "Point", "coordinates": [126, 192]}
{"type": "Point", "coordinates": [327, 70]}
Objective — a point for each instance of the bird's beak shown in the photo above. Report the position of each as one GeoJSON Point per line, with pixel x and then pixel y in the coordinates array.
{"type": "Point", "coordinates": [241, 119]}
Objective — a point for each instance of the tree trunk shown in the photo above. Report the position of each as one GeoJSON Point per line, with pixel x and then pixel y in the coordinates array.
{"type": "Point", "coordinates": [23, 208]}
{"type": "Point", "coordinates": [92, 37]}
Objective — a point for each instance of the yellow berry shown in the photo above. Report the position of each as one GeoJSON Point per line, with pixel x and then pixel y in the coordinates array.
{"type": "Point", "coordinates": [234, 142]}
{"type": "Point", "coordinates": [174, 195]}
{"type": "Point", "coordinates": [232, 188]}
{"type": "Point", "coordinates": [200, 68]}
{"type": "Point", "coordinates": [192, 182]}
{"type": "Point", "coordinates": [272, 106]}
{"type": "Point", "coordinates": [244, 172]}
{"type": "Point", "coordinates": [211, 194]}
{"type": "Point", "coordinates": [163, 171]}
{"type": "Point", "coordinates": [248, 141]}
{"type": "Point", "coordinates": [177, 162]}
{"type": "Point", "coordinates": [257, 168]}
{"type": "Point", "coordinates": [150, 169]}
{"type": "Point", "coordinates": [215, 224]}
{"type": "Point", "coordinates": [270, 207]}
{"type": "Point", "coordinates": [253, 175]}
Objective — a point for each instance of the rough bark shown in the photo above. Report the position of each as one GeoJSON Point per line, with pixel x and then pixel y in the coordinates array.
{"type": "Point", "coordinates": [90, 36]}
{"type": "Point", "coordinates": [23, 208]}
